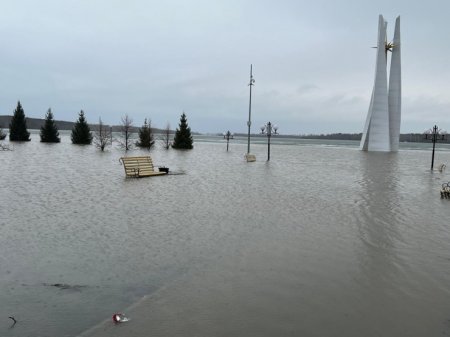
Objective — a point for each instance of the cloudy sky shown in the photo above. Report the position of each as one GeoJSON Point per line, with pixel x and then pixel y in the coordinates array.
{"type": "Point", "coordinates": [312, 61]}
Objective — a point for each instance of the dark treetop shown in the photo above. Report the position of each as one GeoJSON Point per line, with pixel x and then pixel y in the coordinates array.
{"type": "Point", "coordinates": [146, 139]}
{"type": "Point", "coordinates": [18, 126]}
{"type": "Point", "coordinates": [81, 134]}
{"type": "Point", "coordinates": [183, 138]}
{"type": "Point", "coordinates": [49, 131]}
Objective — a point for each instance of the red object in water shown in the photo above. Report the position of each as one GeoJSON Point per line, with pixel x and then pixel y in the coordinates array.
{"type": "Point", "coordinates": [117, 318]}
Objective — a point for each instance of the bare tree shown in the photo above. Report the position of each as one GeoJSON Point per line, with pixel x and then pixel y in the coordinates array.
{"type": "Point", "coordinates": [2, 134]}
{"type": "Point", "coordinates": [5, 147]}
{"type": "Point", "coordinates": [102, 136]}
{"type": "Point", "coordinates": [126, 130]}
{"type": "Point", "coordinates": [165, 137]}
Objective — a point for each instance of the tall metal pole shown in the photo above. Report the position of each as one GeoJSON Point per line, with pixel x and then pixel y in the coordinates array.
{"type": "Point", "coordinates": [269, 134]}
{"type": "Point", "coordinates": [249, 123]}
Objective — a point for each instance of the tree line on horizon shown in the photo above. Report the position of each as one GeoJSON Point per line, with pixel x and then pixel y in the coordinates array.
{"type": "Point", "coordinates": [49, 133]}
{"type": "Point", "coordinates": [82, 134]}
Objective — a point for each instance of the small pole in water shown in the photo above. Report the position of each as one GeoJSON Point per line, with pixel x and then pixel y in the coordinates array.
{"type": "Point", "coordinates": [228, 135]}
{"type": "Point", "coordinates": [270, 130]}
{"type": "Point", "coordinates": [434, 135]}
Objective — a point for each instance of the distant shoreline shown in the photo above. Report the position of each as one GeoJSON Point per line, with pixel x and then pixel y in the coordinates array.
{"type": "Point", "coordinates": [36, 123]}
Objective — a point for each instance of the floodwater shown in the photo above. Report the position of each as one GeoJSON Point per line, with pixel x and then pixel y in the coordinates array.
{"type": "Point", "coordinates": [323, 240]}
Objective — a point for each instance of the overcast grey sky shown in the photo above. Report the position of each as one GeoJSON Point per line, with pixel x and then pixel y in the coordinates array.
{"type": "Point", "coordinates": [312, 61]}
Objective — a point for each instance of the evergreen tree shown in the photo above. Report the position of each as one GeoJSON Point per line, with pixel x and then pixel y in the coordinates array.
{"type": "Point", "coordinates": [183, 138]}
{"type": "Point", "coordinates": [18, 126]}
{"type": "Point", "coordinates": [81, 133]}
{"type": "Point", "coordinates": [49, 131]}
{"type": "Point", "coordinates": [146, 136]}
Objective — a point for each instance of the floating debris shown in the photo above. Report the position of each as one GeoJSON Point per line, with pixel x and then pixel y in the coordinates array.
{"type": "Point", "coordinates": [174, 173]}
{"type": "Point", "coordinates": [163, 169]}
{"type": "Point", "coordinates": [120, 318]}
{"type": "Point", "coordinates": [14, 322]}
{"type": "Point", "coordinates": [64, 286]}
{"type": "Point", "coordinates": [445, 191]}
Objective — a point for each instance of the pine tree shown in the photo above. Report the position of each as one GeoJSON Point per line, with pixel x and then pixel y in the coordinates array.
{"type": "Point", "coordinates": [81, 133]}
{"type": "Point", "coordinates": [18, 126]}
{"type": "Point", "coordinates": [183, 138]}
{"type": "Point", "coordinates": [49, 131]}
{"type": "Point", "coordinates": [146, 136]}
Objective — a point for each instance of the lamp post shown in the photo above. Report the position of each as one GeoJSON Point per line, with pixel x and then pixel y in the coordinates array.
{"type": "Point", "coordinates": [434, 134]}
{"type": "Point", "coordinates": [269, 130]}
{"type": "Point", "coordinates": [249, 122]}
{"type": "Point", "coordinates": [228, 135]}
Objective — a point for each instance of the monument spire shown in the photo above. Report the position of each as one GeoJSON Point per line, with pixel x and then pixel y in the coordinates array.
{"type": "Point", "coordinates": [382, 127]}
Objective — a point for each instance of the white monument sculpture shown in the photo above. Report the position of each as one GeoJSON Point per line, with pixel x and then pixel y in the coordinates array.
{"type": "Point", "coordinates": [382, 128]}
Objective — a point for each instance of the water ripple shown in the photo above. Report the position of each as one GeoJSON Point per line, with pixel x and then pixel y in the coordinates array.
{"type": "Point", "coordinates": [318, 234]}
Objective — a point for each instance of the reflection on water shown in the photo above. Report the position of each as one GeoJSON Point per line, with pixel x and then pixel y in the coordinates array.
{"type": "Point", "coordinates": [381, 212]}
{"type": "Point", "coordinates": [395, 205]}
{"type": "Point", "coordinates": [381, 215]}
{"type": "Point", "coordinates": [323, 240]}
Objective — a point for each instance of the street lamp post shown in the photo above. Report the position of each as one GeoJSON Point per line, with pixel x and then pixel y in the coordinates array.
{"type": "Point", "coordinates": [249, 122]}
{"type": "Point", "coordinates": [269, 130]}
{"type": "Point", "coordinates": [434, 134]}
{"type": "Point", "coordinates": [228, 135]}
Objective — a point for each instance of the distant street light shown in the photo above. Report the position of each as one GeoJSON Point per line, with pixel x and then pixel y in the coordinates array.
{"type": "Point", "coordinates": [434, 135]}
{"type": "Point", "coordinates": [250, 157]}
{"type": "Point", "coordinates": [228, 135]}
{"type": "Point", "coordinates": [270, 130]}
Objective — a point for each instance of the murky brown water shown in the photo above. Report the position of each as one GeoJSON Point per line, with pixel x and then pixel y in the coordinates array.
{"type": "Point", "coordinates": [321, 241]}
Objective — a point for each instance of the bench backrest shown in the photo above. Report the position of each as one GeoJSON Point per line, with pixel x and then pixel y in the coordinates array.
{"type": "Point", "coordinates": [138, 165]}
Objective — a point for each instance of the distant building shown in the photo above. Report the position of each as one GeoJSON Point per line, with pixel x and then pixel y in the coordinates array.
{"type": "Point", "coordinates": [382, 129]}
